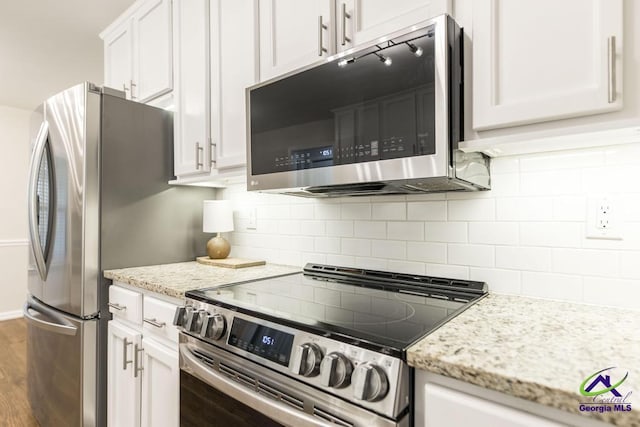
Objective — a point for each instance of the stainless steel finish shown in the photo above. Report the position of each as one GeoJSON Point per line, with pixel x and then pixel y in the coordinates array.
{"type": "Point", "coordinates": [321, 27]}
{"type": "Point", "coordinates": [199, 149]}
{"type": "Point", "coordinates": [125, 362]}
{"type": "Point", "coordinates": [180, 318]}
{"type": "Point", "coordinates": [60, 325]}
{"type": "Point", "coordinates": [195, 319]}
{"type": "Point", "coordinates": [370, 382]}
{"type": "Point", "coordinates": [213, 326]}
{"type": "Point", "coordinates": [417, 174]}
{"type": "Point", "coordinates": [154, 322]}
{"type": "Point", "coordinates": [345, 16]}
{"type": "Point", "coordinates": [213, 156]}
{"type": "Point", "coordinates": [335, 370]}
{"type": "Point", "coordinates": [395, 370]}
{"type": "Point", "coordinates": [132, 85]}
{"type": "Point", "coordinates": [611, 59]}
{"type": "Point", "coordinates": [259, 388]}
{"type": "Point", "coordinates": [306, 360]}
{"type": "Point", "coordinates": [59, 367]}
{"type": "Point", "coordinates": [117, 306]}
{"type": "Point", "coordinates": [136, 360]}
{"type": "Point", "coordinates": [36, 159]}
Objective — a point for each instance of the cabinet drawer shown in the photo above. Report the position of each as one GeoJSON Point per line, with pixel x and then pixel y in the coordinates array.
{"type": "Point", "coordinates": [125, 304]}
{"type": "Point", "coordinates": [158, 319]}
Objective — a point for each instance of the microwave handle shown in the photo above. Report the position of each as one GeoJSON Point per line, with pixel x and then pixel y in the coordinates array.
{"type": "Point", "coordinates": [275, 410]}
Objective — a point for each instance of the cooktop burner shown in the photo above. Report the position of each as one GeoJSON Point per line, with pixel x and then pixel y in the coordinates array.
{"type": "Point", "coordinates": [381, 309]}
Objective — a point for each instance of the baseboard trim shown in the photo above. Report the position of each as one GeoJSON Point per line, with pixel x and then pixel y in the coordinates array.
{"type": "Point", "coordinates": [8, 315]}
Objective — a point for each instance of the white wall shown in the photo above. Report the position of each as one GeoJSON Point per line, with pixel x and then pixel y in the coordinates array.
{"type": "Point", "coordinates": [526, 236]}
{"type": "Point", "coordinates": [14, 160]}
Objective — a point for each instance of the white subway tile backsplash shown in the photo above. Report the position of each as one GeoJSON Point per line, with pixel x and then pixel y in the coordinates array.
{"type": "Point", "coordinates": [407, 267]}
{"type": "Point", "coordinates": [324, 210]}
{"type": "Point", "coordinates": [471, 255]}
{"type": "Point", "coordinates": [448, 232]}
{"type": "Point", "coordinates": [520, 258]}
{"type": "Point", "coordinates": [358, 247]}
{"type": "Point", "coordinates": [586, 262]}
{"type": "Point", "coordinates": [370, 229]}
{"type": "Point", "coordinates": [427, 252]}
{"type": "Point", "coordinates": [556, 286]}
{"type": "Point", "coordinates": [550, 182]}
{"type": "Point", "coordinates": [630, 265]}
{"type": "Point", "coordinates": [389, 211]}
{"type": "Point", "coordinates": [501, 281]}
{"type": "Point", "coordinates": [339, 228]}
{"type": "Point", "coordinates": [313, 227]}
{"type": "Point", "coordinates": [356, 211]}
{"type": "Point", "coordinates": [524, 209]}
{"type": "Point", "coordinates": [289, 226]}
{"type": "Point", "coordinates": [313, 257]}
{"type": "Point", "coordinates": [450, 271]}
{"type": "Point", "coordinates": [569, 208]}
{"type": "Point", "coordinates": [341, 260]}
{"type": "Point", "coordinates": [405, 230]}
{"type": "Point", "coordinates": [471, 210]}
{"type": "Point", "coordinates": [505, 165]}
{"type": "Point", "coordinates": [327, 245]}
{"type": "Point", "coordinates": [427, 211]}
{"type": "Point", "coordinates": [565, 160]}
{"type": "Point", "coordinates": [614, 292]}
{"type": "Point", "coordinates": [372, 263]}
{"type": "Point", "coordinates": [301, 211]}
{"type": "Point", "coordinates": [390, 249]}
{"type": "Point", "coordinates": [553, 234]}
{"type": "Point", "coordinates": [494, 233]}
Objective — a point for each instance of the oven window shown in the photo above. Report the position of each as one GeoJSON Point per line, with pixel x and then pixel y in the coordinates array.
{"type": "Point", "coordinates": [203, 405]}
{"type": "Point", "coordinates": [377, 104]}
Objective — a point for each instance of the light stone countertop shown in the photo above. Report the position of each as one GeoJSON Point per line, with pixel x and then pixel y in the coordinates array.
{"type": "Point", "coordinates": [175, 279]}
{"type": "Point", "coordinates": [539, 350]}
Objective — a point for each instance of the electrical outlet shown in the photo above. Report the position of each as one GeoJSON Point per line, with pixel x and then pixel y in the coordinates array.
{"type": "Point", "coordinates": [602, 219]}
{"type": "Point", "coordinates": [253, 218]}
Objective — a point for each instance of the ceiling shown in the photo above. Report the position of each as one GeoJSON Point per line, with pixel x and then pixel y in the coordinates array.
{"type": "Point", "coordinates": [47, 46]}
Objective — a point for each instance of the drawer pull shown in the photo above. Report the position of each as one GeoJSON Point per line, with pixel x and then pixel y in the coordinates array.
{"type": "Point", "coordinates": [117, 306]}
{"type": "Point", "coordinates": [154, 322]}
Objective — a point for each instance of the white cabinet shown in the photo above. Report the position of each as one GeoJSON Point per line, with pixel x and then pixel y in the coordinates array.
{"type": "Point", "coordinates": [138, 51]}
{"type": "Point", "coordinates": [192, 138]}
{"type": "Point", "coordinates": [143, 373]}
{"type": "Point", "coordinates": [542, 60]}
{"type": "Point", "coordinates": [294, 33]}
{"type": "Point", "coordinates": [123, 386]}
{"type": "Point", "coordinates": [360, 21]}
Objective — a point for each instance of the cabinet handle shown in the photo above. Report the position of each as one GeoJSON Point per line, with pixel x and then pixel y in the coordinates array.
{"type": "Point", "coordinates": [611, 57]}
{"type": "Point", "coordinates": [117, 306]}
{"type": "Point", "coordinates": [125, 362]}
{"type": "Point", "coordinates": [345, 15]}
{"type": "Point", "coordinates": [136, 363]}
{"type": "Point", "coordinates": [132, 85]}
{"type": "Point", "coordinates": [321, 26]}
{"type": "Point", "coordinates": [212, 146]}
{"type": "Point", "coordinates": [155, 323]}
{"type": "Point", "coordinates": [199, 150]}
{"type": "Point", "coordinates": [125, 88]}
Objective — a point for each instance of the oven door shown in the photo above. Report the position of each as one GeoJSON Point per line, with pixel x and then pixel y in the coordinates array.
{"type": "Point", "coordinates": [217, 385]}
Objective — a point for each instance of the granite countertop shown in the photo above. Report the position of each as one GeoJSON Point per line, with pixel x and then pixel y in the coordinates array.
{"type": "Point", "coordinates": [539, 350]}
{"type": "Point", "coordinates": [175, 279]}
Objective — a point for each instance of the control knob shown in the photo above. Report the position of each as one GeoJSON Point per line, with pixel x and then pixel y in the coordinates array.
{"type": "Point", "coordinates": [369, 382]}
{"type": "Point", "coordinates": [306, 360]}
{"type": "Point", "coordinates": [213, 326]}
{"type": "Point", "coordinates": [195, 318]}
{"type": "Point", "coordinates": [335, 370]}
{"type": "Point", "coordinates": [181, 315]}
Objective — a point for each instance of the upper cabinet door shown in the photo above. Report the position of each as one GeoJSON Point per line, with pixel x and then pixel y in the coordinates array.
{"type": "Point", "coordinates": [118, 58]}
{"type": "Point", "coordinates": [359, 21]}
{"type": "Point", "coordinates": [153, 50]}
{"type": "Point", "coordinates": [293, 34]}
{"type": "Point", "coordinates": [532, 65]}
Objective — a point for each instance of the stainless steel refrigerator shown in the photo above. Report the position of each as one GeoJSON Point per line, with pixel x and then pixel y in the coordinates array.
{"type": "Point", "coordinates": [98, 199]}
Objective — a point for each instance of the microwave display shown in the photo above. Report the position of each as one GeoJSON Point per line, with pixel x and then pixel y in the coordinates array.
{"type": "Point", "coordinates": [377, 104]}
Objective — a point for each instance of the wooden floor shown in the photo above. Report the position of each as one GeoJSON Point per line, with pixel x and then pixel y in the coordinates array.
{"type": "Point", "coordinates": [14, 406]}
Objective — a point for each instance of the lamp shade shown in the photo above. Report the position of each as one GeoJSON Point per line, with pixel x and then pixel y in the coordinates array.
{"type": "Point", "coordinates": [217, 216]}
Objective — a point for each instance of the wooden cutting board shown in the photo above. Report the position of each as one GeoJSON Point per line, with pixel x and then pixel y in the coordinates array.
{"type": "Point", "coordinates": [229, 262]}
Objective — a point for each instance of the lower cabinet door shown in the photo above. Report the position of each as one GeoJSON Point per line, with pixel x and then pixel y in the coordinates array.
{"type": "Point", "coordinates": [160, 385]}
{"type": "Point", "coordinates": [123, 382]}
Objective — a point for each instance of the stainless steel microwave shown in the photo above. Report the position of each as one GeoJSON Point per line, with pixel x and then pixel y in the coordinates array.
{"type": "Point", "coordinates": [383, 118]}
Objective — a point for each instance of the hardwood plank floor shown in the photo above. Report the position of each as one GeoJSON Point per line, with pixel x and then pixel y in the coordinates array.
{"type": "Point", "coordinates": [14, 405]}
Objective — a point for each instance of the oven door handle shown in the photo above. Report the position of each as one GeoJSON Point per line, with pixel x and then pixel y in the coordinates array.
{"type": "Point", "coordinates": [280, 412]}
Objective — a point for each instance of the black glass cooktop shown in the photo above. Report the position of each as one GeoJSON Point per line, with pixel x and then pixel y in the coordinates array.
{"type": "Point", "coordinates": [384, 311]}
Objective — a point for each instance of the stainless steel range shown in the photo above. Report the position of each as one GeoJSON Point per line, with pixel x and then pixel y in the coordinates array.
{"type": "Point", "coordinates": [325, 346]}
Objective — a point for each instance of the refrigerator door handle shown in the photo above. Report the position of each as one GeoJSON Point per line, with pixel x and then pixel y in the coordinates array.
{"type": "Point", "coordinates": [63, 327]}
{"type": "Point", "coordinates": [36, 159]}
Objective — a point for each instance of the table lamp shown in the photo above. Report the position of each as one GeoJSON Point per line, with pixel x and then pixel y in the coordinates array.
{"type": "Point", "coordinates": [217, 217]}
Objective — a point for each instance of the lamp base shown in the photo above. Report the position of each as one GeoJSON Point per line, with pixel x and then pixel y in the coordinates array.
{"type": "Point", "coordinates": [218, 247]}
